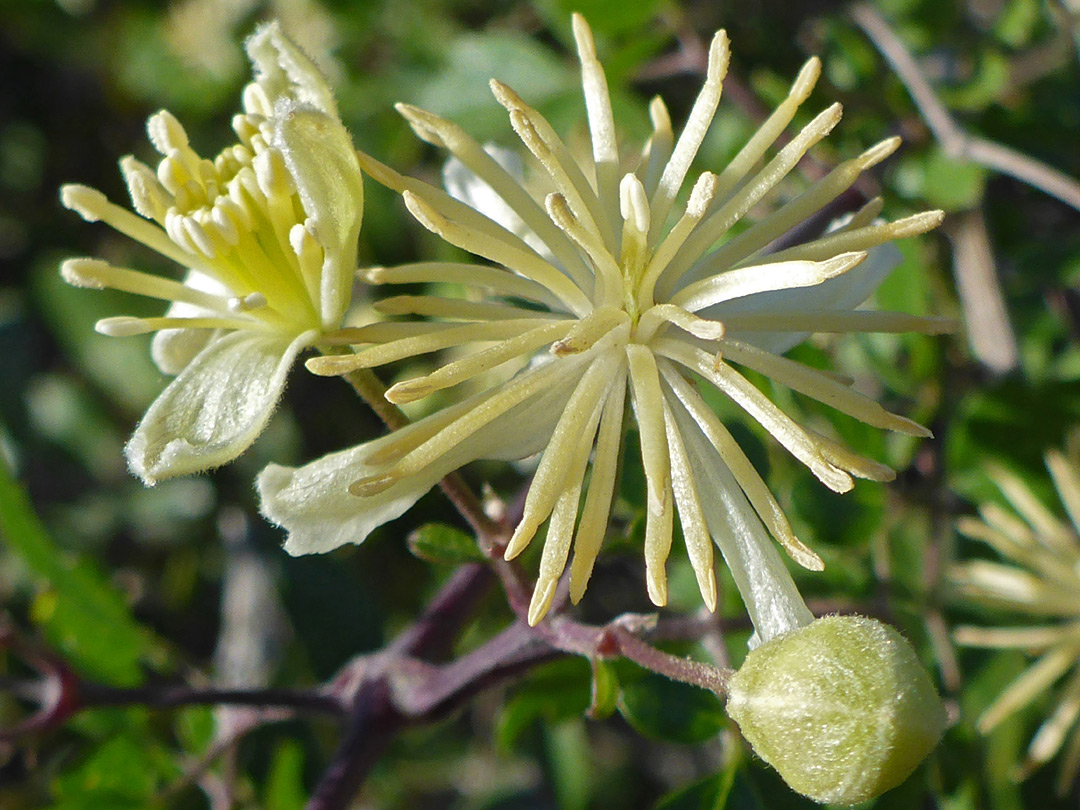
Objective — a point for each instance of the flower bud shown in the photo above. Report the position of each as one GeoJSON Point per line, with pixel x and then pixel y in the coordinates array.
{"type": "Point", "coordinates": [841, 708]}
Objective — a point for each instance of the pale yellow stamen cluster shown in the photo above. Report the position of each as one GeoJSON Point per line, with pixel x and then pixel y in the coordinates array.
{"type": "Point", "coordinates": [1039, 581]}
{"type": "Point", "coordinates": [237, 220]}
{"type": "Point", "coordinates": [634, 300]}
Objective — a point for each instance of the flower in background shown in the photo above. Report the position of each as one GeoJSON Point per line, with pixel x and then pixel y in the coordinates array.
{"type": "Point", "coordinates": [607, 291]}
{"type": "Point", "coordinates": [267, 233]}
{"type": "Point", "coordinates": [1039, 582]}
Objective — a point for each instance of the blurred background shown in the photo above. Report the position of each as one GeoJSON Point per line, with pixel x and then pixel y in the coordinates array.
{"type": "Point", "coordinates": [185, 581]}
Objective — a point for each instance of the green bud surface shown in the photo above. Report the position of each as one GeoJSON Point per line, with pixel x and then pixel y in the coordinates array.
{"type": "Point", "coordinates": [841, 708]}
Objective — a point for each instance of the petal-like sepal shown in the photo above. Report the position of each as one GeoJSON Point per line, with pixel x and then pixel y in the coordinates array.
{"type": "Point", "coordinates": [321, 159]}
{"type": "Point", "coordinates": [215, 408]}
{"type": "Point", "coordinates": [841, 293]}
{"type": "Point", "coordinates": [313, 502]}
{"type": "Point", "coordinates": [283, 70]}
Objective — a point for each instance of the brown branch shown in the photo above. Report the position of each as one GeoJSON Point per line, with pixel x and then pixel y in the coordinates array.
{"type": "Point", "coordinates": [953, 138]}
{"type": "Point", "coordinates": [986, 317]}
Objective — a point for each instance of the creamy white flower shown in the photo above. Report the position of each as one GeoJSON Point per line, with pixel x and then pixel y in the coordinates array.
{"type": "Point", "coordinates": [1039, 582]}
{"type": "Point", "coordinates": [624, 297]}
{"type": "Point", "coordinates": [267, 232]}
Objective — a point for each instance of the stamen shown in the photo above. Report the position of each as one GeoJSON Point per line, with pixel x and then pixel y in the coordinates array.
{"type": "Point", "coordinates": [762, 278]}
{"type": "Point", "coordinates": [862, 238]}
{"type": "Point", "coordinates": [597, 508]}
{"type": "Point", "coordinates": [545, 144]}
{"type": "Point", "coordinates": [840, 456]}
{"type": "Point", "coordinates": [587, 332]}
{"type": "Point", "coordinates": [93, 206]}
{"type": "Point", "coordinates": [608, 272]}
{"type": "Point", "coordinates": [148, 196]}
{"type": "Point", "coordinates": [658, 148]}
{"type": "Point", "coordinates": [768, 132]}
{"type": "Point", "coordinates": [441, 337]}
{"type": "Point", "coordinates": [561, 526]}
{"type": "Point", "coordinates": [660, 314]}
{"type": "Point", "coordinates": [701, 197]}
{"type": "Point", "coordinates": [513, 393]}
{"type": "Point", "coordinates": [715, 225]}
{"type": "Point", "coordinates": [598, 109]}
{"type": "Point", "coordinates": [498, 280]}
{"type": "Point", "coordinates": [574, 431]}
{"type": "Point", "coordinates": [166, 132]}
{"type": "Point", "coordinates": [752, 485]}
{"type": "Point", "coordinates": [697, 124]}
{"type": "Point", "coordinates": [126, 325]}
{"type": "Point", "coordinates": [1066, 482]}
{"type": "Point", "coordinates": [799, 209]}
{"type": "Point", "coordinates": [791, 435]}
{"type": "Point", "coordinates": [865, 215]}
{"type": "Point", "coordinates": [439, 131]}
{"type": "Point", "coordinates": [455, 308]}
{"type": "Point", "coordinates": [522, 260]}
{"type": "Point", "coordinates": [100, 275]}
{"type": "Point", "coordinates": [858, 320]}
{"type": "Point", "coordinates": [810, 382]}
{"type": "Point", "coordinates": [648, 407]}
{"type": "Point", "coordinates": [695, 532]}
{"type": "Point", "coordinates": [466, 368]}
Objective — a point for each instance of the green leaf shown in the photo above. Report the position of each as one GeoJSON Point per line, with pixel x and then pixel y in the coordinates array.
{"type": "Point", "coordinates": [567, 748]}
{"type": "Point", "coordinates": [439, 543]}
{"type": "Point", "coordinates": [122, 774]}
{"type": "Point", "coordinates": [945, 182]}
{"type": "Point", "coordinates": [285, 782]}
{"type": "Point", "coordinates": [78, 610]}
{"type": "Point", "coordinates": [667, 710]}
{"type": "Point", "coordinates": [605, 690]}
{"type": "Point", "coordinates": [727, 790]}
{"type": "Point", "coordinates": [558, 691]}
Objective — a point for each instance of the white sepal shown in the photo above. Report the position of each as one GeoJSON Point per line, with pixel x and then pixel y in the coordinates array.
{"type": "Point", "coordinates": [314, 505]}
{"type": "Point", "coordinates": [320, 156]}
{"type": "Point", "coordinates": [763, 581]}
{"type": "Point", "coordinates": [215, 408]}
{"type": "Point", "coordinates": [842, 293]}
{"type": "Point", "coordinates": [285, 71]}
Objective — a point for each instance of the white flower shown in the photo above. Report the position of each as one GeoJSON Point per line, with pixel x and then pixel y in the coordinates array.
{"type": "Point", "coordinates": [612, 303]}
{"type": "Point", "coordinates": [1040, 585]}
{"type": "Point", "coordinates": [267, 232]}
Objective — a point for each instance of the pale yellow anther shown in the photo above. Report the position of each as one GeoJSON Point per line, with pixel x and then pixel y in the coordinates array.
{"type": "Point", "coordinates": [147, 195]}
{"type": "Point", "coordinates": [224, 224]}
{"type": "Point", "coordinates": [256, 102]}
{"type": "Point", "coordinates": [166, 133]}
{"type": "Point", "coordinates": [272, 174]}
{"type": "Point", "coordinates": [879, 152]}
{"type": "Point", "coordinates": [633, 203]}
{"type": "Point", "coordinates": [804, 83]}
{"type": "Point", "coordinates": [701, 195]}
{"type": "Point", "coordinates": [87, 202]}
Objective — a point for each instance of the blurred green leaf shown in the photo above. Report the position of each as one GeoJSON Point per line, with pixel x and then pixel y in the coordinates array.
{"type": "Point", "coordinates": [121, 774]}
{"type": "Point", "coordinates": [460, 88]}
{"type": "Point", "coordinates": [555, 692]}
{"type": "Point", "coordinates": [567, 748]}
{"type": "Point", "coordinates": [727, 790]}
{"type": "Point", "coordinates": [79, 610]}
{"type": "Point", "coordinates": [667, 710]}
{"type": "Point", "coordinates": [1017, 21]}
{"type": "Point", "coordinates": [439, 543]}
{"type": "Point", "coordinates": [605, 689]}
{"type": "Point", "coordinates": [285, 781]}
{"type": "Point", "coordinates": [942, 181]}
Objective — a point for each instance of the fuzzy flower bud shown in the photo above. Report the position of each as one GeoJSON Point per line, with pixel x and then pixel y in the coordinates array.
{"type": "Point", "coordinates": [841, 708]}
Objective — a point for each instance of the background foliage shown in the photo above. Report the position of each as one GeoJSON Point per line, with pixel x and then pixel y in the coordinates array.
{"type": "Point", "coordinates": [131, 583]}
